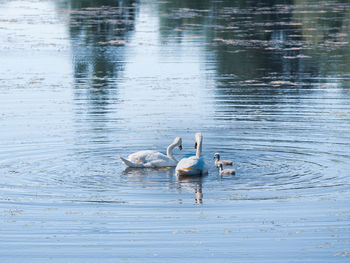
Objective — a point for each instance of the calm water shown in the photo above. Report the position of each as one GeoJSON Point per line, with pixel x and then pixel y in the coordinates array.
{"type": "Point", "coordinates": [83, 82]}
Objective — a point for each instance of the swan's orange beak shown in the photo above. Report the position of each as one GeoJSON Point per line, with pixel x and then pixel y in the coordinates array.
{"type": "Point", "coordinates": [180, 147]}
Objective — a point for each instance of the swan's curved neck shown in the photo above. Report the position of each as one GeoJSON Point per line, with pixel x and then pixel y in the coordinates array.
{"type": "Point", "coordinates": [169, 150]}
{"type": "Point", "coordinates": [199, 147]}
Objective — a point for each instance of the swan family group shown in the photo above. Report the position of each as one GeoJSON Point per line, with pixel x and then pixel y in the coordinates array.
{"type": "Point", "coordinates": [193, 165]}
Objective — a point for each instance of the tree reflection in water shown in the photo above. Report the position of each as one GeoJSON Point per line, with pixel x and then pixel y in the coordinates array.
{"type": "Point", "coordinates": [251, 39]}
{"type": "Point", "coordinates": [99, 32]}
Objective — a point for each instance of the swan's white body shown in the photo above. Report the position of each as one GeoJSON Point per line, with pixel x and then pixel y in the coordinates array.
{"type": "Point", "coordinates": [193, 165]}
{"type": "Point", "coordinates": [223, 162]}
{"type": "Point", "coordinates": [153, 159]}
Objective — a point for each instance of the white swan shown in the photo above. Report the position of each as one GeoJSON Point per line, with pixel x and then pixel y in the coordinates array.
{"type": "Point", "coordinates": [193, 165]}
{"type": "Point", "coordinates": [153, 159]}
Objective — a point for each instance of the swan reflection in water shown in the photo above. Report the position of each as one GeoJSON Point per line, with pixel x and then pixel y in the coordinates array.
{"type": "Point", "coordinates": [193, 183]}
{"type": "Point", "coordinates": [150, 177]}
{"type": "Point", "coordinates": [150, 174]}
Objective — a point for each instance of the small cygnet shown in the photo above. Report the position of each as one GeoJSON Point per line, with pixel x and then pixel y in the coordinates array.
{"type": "Point", "coordinates": [218, 161]}
{"type": "Point", "coordinates": [223, 171]}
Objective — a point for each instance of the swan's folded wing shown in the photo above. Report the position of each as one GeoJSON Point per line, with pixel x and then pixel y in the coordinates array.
{"type": "Point", "coordinates": [150, 159]}
{"type": "Point", "coordinates": [143, 156]}
{"type": "Point", "coordinates": [226, 162]}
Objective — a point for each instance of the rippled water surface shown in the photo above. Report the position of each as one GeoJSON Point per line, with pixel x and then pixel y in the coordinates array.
{"type": "Point", "coordinates": [84, 82]}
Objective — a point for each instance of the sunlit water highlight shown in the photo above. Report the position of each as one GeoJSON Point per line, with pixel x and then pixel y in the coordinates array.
{"type": "Point", "coordinates": [83, 82]}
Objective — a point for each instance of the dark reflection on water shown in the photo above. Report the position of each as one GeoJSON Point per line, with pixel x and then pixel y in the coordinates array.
{"type": "Point", "coordinates": [92, 26]}
{"type": "Point", "coordinates": [266, 82]}
{"type": "Point", "coordinates": [266, 39]}
{"type": "Point", "coordinates": [99, 32]}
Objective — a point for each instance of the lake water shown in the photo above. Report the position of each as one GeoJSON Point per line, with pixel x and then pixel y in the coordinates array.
{"type": "Point", "coordinates": [84, 82]}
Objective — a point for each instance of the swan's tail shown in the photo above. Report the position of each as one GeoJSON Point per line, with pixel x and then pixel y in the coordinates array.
{"type": "Point", "coordinates": [130, 164]}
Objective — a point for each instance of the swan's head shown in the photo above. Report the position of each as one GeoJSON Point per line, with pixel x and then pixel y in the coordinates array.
{"type": "Point", "coordinates": [198, 139]}
{"type": "Point", "coordinates": [217, 156]}
{"type": "Point", "coordinates": [178, 142]}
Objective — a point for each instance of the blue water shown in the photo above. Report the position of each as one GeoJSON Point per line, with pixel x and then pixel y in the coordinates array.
{"type": "Point", "coordinates": [84, 82]}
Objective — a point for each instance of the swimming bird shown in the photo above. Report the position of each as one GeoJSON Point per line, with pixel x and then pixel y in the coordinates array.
{"type": "Point", "coordinates": [218, 161]}
{"type": "Point", "coordinates": [153, 159]}
{"type": "Point", "coordinates": [193, 165]}
{"type": "Point", "coordinates": [223, 171]}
